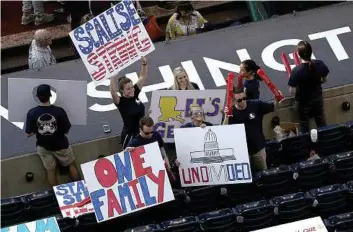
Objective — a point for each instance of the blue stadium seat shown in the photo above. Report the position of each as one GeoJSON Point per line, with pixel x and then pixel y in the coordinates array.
{"type": "Point", "coordinates": [199, 200]}
{"type": "Point", "coordinates": [12, 211]}
{"type": "Point", "coordinates": [42, 204]}
{"type": "Point", "coordinates": [185, 224]}
{"type": "Point", "coordinates": [349, 126]}
{"type": "Point", "coordinates": [295, 149]}
{"type": "Point", "coordinates": [330, 200]}
{"type": "Point", "coordinates": [240, 193]}
{"type": "Point", "coordinates": [342, 166]}
{"type": "Point", "coordinates": [275, 181]}
{"type": "Point", "coordinates": [340, 223]}
{"type": "Point", "coordinates": [255, 215]}
{"type": "Point", "coordinates": [221, 220]}
{"type": "Point", "coordinates": [332, 139]}
{"type": "Point", "coordinates": [311, 174]}
{"type": "Point", "coordinates": [350, 195]}
{"type": "Point", "coordinates": [88, 222]}
{"type": "Point", "coordinates": [147, 228]}
{"type": "Point", "coordinates": [293, 207]}
{"type": "Point", "coordinates": [273, 153]}
{"type": "Point", "coordinates": [66, 224]}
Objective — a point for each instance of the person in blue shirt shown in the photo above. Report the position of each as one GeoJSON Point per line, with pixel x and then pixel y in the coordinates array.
{"type": "Point", "coordinates": [197, 118]}
{"type": "Point", "coordinates": [305, 83]}
{"type": "Point", "coordinates": [248, 69]}
{"type": "Point", "coordinates": [50, 124]}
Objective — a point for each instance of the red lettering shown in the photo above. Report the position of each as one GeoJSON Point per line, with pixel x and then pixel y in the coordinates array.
{"type": "Point", "coordinates": [93, 59]}
{"type": "Point", "coordinates": [105, 172]}
{"type": "Point", "coordinates": [183, 175]}
{"type": "Point", "coordinates": [68, 213]}
{"type": "Point", "coordinates": [111, 50]}
{"type": "Point", "coordinates": [138, 162]}
{"type": "Point", "coordinates": [195, 175]}
{"type": "Point", "coordinates": [103, 53]}
{"type": "Point", "coordinates": [142, 44]}
{"type": "Point", "coordinates": [133, 184]}
{"type": "Point", "coordinates": [160, 182]}
{"type": "Point", "coordinates": [113, 204]}
{"type": "Point", "coordinates": [204, 174]}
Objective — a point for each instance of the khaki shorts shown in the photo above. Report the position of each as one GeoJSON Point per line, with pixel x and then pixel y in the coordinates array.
{"type": "Point", "coordinates": [64, 156]}
{"type": "Point", "coordinates": [258, 160]}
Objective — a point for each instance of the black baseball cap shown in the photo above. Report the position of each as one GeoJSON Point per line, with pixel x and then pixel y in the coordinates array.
{"type": "Point", "coordinates": [43, 91]}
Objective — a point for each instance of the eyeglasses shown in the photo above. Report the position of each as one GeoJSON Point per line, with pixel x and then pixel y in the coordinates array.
{"type": "Point", "coordinates": [241, 99]}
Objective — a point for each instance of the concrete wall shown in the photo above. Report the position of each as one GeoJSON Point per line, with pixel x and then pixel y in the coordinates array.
{"type": "Point", "coordinates": [13, 170]}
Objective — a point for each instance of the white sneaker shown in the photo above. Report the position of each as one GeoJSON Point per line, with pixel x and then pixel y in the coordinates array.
{"type": "Point", "coordinates": [43, 18]}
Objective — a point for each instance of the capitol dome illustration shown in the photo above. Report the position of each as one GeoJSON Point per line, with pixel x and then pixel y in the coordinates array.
{"type": "Point", "coordinates": [212, 153]}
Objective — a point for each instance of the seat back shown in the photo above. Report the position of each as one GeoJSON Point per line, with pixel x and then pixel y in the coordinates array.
{"type": "Point", "coordinates": [42, 204]}
{"type": "Point", "coordinates": [342, 169]}
{"type": "Point", "coordinates": [332, 140]}
{"type": "Point", "coordinates": [340, 223]}
{"type": "Point", "coordinates": [311, 174]}
{"type": "Point", "coordinates": [349, 126]}
{"type": "Point", "coordinates": [204, 199]}
{"type": "Point", "coordinates": [275, 181]}
{"type": "Point", "coordinates": [350, 194]}
{"type": "Point", "coordinates": [12, 211]}
{"type": "Point", "coordinates": [66, 224]}
{"type": "Point", "coordinates": [240, 193]}
{"type": "Point", "coordinates": [147, 228]}
{"type": "Point", "coordinates": [273, 153]}
{"type": "Point", "coordinates": [295, 149]}
{"type": "Point", "coordinates": [330, 200]}
{"type": "Point", "coordinates": [255, 215]}
{"type": "Point", "coordinates": [185, 224]}
{"type": "Point", "coordinates": [293, 207]}
{"type": "Point", "coordinates": [219, 220]}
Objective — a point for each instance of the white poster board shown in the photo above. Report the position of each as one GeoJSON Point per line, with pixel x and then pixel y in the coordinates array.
{"type": "Point", "coordinates": [112, 41]}
{"type": "Point", "coordinates": [41, 225]}
{"type": "Point", "coordinates": [215, 155]}
{"type": "Point", "coordinates": [127, 182]}
{"type": "Point", "coordinates": [170, 109]}
{"type": "Point", "coordinates": [73, 199]}
{"type": "Point", "coordinates": [308, 225]}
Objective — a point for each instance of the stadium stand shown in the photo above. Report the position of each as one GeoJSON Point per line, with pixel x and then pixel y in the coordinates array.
{"type": "Point", "coordinates": [282, 194]}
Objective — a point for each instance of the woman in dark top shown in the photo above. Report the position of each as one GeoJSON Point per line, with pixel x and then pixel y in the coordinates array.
{"type": "Point", "coordinates": [248, 69]}
{"type": "Point", "coordinates": [128, 103]}
{"type": "Point", "coordinates": [181, 80]}
{"type": "Point", "coordinates": [305, 82]}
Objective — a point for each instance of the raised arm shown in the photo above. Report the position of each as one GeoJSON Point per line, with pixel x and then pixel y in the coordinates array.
{"type": "Point", "coordinates": [143, 74]}
{"type": "Point", "coordinates": [113, 88]}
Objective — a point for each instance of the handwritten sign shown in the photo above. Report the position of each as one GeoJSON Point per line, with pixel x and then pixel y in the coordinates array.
{"type": "Point", "coordinates": [127, 182]}
{"type": "Point", "coordinates": [112, 41]}
{"type": "Point", "coordinates": [171, 109]}
{"type": "Point", "coordinates": [216, 155]}
{"type": "Point", "coordinates": [308, 225]}
{"type": "Point", "coordinates": [73, 199]}
{"type": "Point", "coordinates": [42, 225]}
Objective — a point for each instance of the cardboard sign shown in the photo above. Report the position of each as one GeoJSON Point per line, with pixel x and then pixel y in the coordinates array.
{"type": "Point", "coordinates": [127, 182]}
{"type": "Point", "coordinates": [42, 225]}
{"type": "Point", "coordinates": [171, 108]}
{"type": "Point", "coordinates": [308, 225]}
{"type": "Point", "coordinates": [213, 155]}
{"type": "Point", "coordinates": [73, 199]}
{"type": "Point", "coordinates": [112, 41]}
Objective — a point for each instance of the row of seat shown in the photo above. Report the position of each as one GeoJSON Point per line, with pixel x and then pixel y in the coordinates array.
{"type": "Point", "coordinates": [331, 139]}
{"type": "Point", "coordinates": [325, 202]}
{"type": "Point", "coordinates": [277, 181]}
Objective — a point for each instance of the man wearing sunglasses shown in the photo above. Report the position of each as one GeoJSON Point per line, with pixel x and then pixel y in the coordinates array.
{"type": "Point", "coordinates": [147, 136]}
{"type": "Point", "coordinates": [251, 114]}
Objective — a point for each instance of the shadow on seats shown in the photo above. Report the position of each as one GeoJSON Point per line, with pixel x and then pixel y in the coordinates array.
{"type": "Point", "coordinates": [295, 149]}
{"type": "Point", "coordinates": [332, 139]}
{"type": "Point", "coordinates": [42, 205]}
{"type": "Point", "coordinates": [12, 211]}
{"type": "Point", "coordinates": [341, 167]}
{"type": "Point", "coordinates": [340, 223]}
{"type": "Point", "coordinates": [66, 224]}
{"type": "Point", "coordinates": [221, 220]}
{"type": "Point", "coordinates": [147, 228]}
{"type": "Point", "coordinates": [185, 224]}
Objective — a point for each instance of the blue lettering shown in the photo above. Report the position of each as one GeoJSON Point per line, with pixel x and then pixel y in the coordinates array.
{"type": "Point", "coordinates": [145, 192]}
{"type": "Point", "coordinates": [61, 190]}
{"type": "Point", "coordinates": [231, 173]}
{"type": "Point", "coordinates": [246, 171]}
{"type": "Point", "coordinates": [132, 12]}
{"type": "Point", "coordinates": [97, 203]}
{"type": "Point", "coordinates": [88, 39]}
{"type": "Point", "coordinates": [89, 27]}
{"type": "Point", "coordinates": [68, 199]}
{"type": "Point", "coordinates": [118, 30]}
{"type": "Point", "coordinates": [124, 191]}
{"type": "Point", "coordinates": [22, 228]}
{"type": "Point", "coordinates": [100, 31]}
{"type": "Point", "coordinates": [119, 9]}
{"type": "Point", "coordinates": [157, 125]}
{"type": "Point", "coordinates": [238, 171]}
{"type": "Point", "coordinates": [50, 225]}
{"type": "Point", "coordinates": [124, 171]}
{"type": "Point", "coordinates": [170, 131]}
{"type": "Point", "coordinates": [215, 102]}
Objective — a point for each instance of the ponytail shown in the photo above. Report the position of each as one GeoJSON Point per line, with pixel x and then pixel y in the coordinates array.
{"type": "Point", "coordinates": [251, 66]}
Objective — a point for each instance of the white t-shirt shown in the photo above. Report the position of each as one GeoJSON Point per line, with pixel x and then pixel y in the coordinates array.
{"type": "Point", "coordinates": [40, 57]}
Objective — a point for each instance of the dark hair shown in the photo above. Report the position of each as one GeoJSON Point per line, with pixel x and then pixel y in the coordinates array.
{"type": "Point", "coordinates": [122, 82]}
{"type": "Point", "coordinates": [305, 51]}
{"type": "Point", "coordinates": [146, 121]}
{"type": "Point", "coordinates": [275, 121]}
{"type": "Point", "coordinates": [238, 90]}
{"type": "Point", "coordinates": [251, 66]}
{"type": "Point", "coordinates": [43, 99]}
{"type": "Point", "coordinates": [183, 6]}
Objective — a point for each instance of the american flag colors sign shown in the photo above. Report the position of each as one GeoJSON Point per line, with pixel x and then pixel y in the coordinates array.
{"type": "Point", "coordinates": [112, 41]}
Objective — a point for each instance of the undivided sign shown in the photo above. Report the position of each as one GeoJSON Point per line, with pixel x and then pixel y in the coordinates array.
{"type": "Point", "coordinates": [112, 41]}
{"type": "Point", "coordinates": [42, 225]}
{"type": "Point", "coordinates": [127, 182]}
{"type": "Point", "coordinates": [73, 199]}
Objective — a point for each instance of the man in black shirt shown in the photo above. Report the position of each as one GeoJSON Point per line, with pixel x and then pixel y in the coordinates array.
{"type": "Point", "coordinates": [50, 124]}
{"type": "Point", "coordinates": [251, 114]}
{"type": "Point", "coordinates": [147, 136]}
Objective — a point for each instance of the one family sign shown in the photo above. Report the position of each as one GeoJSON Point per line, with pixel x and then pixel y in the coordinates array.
{"type": "Point", "coordinates": [171, 109]}
{"type": "Point", "coordinates": [212, 155]}
{"type": "Point", "coordinates": [112, 41]}
{"type": "Point", "coordinates": [127, 182]}
{"type": "Point", "coordinates": [73, 199]}
{"type": "Point", "coordinates": [42, 225]}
